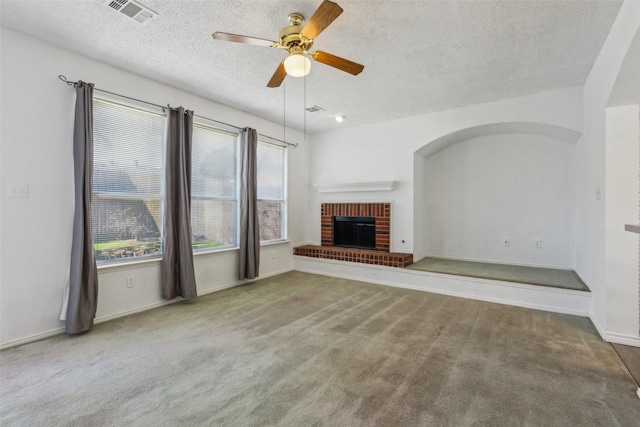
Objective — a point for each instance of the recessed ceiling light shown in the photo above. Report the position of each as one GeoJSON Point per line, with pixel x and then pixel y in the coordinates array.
{"type": "Point", "coordinates": [340, 119]}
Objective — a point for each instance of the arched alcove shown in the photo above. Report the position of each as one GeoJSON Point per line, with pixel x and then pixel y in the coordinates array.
{"type": "Point", "coordinates": [500, 192]}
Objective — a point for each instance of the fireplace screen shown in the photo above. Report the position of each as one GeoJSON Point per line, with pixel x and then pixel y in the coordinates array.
{"type": "Point", "coordinates": [354, 232]}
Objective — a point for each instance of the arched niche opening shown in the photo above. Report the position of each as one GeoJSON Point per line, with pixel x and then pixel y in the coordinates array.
{"type": "Point", "coordinates": [498, 193]}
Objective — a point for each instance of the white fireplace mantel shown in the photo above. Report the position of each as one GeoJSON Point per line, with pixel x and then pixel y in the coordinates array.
{"type": "Point", "coordinates": [355, 186]}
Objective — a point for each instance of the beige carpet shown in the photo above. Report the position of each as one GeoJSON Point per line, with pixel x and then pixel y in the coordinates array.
{"type": "Point", "coordinates": [630, 356]}
{"type": "Point", "coordinates": [307, 350]}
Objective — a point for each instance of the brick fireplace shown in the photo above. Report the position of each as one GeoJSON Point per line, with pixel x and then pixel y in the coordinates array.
{"type": "Point", "coordinates": [381, 212]}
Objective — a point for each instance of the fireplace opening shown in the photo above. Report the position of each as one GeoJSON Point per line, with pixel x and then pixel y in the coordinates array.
{"type": "Point", "coordinates": [354, 232]}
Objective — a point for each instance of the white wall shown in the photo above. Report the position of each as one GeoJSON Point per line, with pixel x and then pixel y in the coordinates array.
{"type": "Point", "coordinates": [37, 128]}
{"type": "Point", "coordinates": [419, 207]}
{"type": "Point", "coordinates": [385, 151]}
{"type": "Point", "coordinates": [590, 160]}
{"type": "Point", "coordinates": [484, 190]}
{"type": "Point", "coordinates": [622, 200]}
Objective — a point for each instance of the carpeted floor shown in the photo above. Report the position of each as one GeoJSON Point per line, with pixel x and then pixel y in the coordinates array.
{"type": "Point", "coordinates": [553, 277]}
{"type": "Point", "coordinates": [307, 350]}
{"type": "Point", "coordinates": [630, 356]}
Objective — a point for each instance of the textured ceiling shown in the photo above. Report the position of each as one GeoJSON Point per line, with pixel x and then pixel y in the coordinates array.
{"type": "Point", "coordinates": [419, 56]}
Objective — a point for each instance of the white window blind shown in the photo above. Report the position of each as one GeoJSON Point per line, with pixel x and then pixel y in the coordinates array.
{"type": "Point", "coordinates": [128, 180]}
{"type": "Point", "coordinates": [272, 209]}
{"type": "Point", "coordinates": [214, 199]}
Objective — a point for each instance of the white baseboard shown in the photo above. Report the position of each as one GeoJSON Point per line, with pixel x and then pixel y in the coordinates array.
{"type": "Point", "coordinates": [243, 282]}
{"type": "Point", "coordinates": [601, 331]}
{"type": "Point", "coordinates": [106, 318]}
{"type": "Point", "coordinates": [31, 338]}
{"type": "Point", "coordinates": [205, 292]}
{"type": "Point", "coordinates": [101, 319]}
{"type": "Point", "coordinates": [528, 296]}
{"type": "Point", "coordinates": [617, 338]}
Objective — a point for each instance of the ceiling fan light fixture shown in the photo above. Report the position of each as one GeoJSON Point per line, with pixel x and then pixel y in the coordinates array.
{"type": "Point", "coordinates": [297, 39]}
{"type": "Point", "coordinates": [297, 65]}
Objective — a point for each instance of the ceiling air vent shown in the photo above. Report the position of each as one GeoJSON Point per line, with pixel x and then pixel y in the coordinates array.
{"type": "Point", "coordinates": [314, 109]}
{"type": "Point", "coordinates": [132, 9]}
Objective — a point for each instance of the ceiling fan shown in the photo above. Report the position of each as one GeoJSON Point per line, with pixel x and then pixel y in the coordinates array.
{"type": "Point", "coordinates": [297, 40]}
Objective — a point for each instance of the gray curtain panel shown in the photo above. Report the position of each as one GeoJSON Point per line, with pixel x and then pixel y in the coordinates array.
{"type": "Point", "coordinates": [249, 227]}
{"type": "Point", "coordinates": [83, 272]}
{"type": "Point", "coordinates": [178, 276]}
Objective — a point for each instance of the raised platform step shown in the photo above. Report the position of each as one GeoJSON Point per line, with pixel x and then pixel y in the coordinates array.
{"type": "Point", "coordinates": [363, 256]}
{"type": "Point", "coordinates": [546, 298]}
{"type": "Point", "coordinates": [539, 276]}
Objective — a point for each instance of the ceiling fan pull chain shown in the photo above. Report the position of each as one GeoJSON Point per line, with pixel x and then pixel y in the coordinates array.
{"type": "Point", "coordinates": [305, 108]}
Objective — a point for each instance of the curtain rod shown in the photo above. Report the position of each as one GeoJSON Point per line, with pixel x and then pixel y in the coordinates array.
{"type": "Point", "coordinates": [164, 107]}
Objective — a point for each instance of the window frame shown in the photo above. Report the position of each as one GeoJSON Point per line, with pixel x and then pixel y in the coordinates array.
{"type": "Point", "coordinates": [126, 103]}
{"type": "Point", "coordinates": [284, 200]}
{"type": "Point", "coordinates": [205, 124]}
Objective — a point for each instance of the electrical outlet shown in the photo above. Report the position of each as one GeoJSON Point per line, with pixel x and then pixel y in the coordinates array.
{"type": "Point", "coordinates": [538, 244]}
{"type": "Point", "coordinates": [17, 190]}
{"type": "Point", "coordinates": [506, 241]}
{"type": "Point", "coordinates": [131, 282]}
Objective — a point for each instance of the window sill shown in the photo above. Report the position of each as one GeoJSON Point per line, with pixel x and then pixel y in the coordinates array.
{"type": "Point", "coordinates": [143, 262]}
{"type": "Point", "coordinates": [156, 260]}
{"type": "Point", "coordinates": [275, 242]}
{"type": "Point", "coordinates": [129, 264]}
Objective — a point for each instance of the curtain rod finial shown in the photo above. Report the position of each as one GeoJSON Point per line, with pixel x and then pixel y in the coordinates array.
{"type": "Point", "coordinates": [64, 79]}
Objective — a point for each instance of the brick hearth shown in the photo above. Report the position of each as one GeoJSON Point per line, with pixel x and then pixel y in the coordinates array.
{"type": "Point", "coordinates": [390, 259]}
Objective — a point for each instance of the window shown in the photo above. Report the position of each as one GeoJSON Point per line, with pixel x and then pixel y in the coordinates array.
{"type": "Point", "coordinates": [272, 208]}
{"type": "Point", "coordinates": [128, 184]}
{"type": "Point", "coordinates": [128, 179]}
{"type": "Point", "coordinates": [214, 199]}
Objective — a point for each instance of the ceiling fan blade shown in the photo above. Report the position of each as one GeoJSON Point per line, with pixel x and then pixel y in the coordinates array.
{"type": "Point", "coordinates": [278, 76]}
{"type": "Point", "coordinates": [321, 19]}
{"type": "Point", "coordinates": [337, 62]}
{"type": "Point", "coordinates": [227, 37]}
